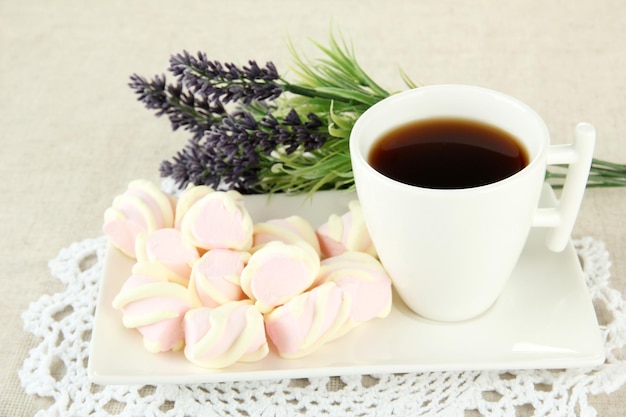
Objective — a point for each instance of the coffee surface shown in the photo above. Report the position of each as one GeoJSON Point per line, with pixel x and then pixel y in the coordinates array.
{"type": "Point", "coordinates": [447, 153]}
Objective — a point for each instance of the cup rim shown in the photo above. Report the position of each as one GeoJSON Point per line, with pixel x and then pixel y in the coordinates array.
{"type": "Point", "coordinates": [357, 156]}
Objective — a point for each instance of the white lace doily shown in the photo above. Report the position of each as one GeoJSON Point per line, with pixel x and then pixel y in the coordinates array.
{"type": "Point", "coordinates": [57, 367]}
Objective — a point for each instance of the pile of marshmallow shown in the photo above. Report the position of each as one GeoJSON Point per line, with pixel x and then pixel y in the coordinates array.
{"type": "Point", "coordinates": [210, 281]}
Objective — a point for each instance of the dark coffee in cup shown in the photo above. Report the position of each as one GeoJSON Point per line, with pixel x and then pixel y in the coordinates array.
{"type": "Point", "coordinates": [448, 153]}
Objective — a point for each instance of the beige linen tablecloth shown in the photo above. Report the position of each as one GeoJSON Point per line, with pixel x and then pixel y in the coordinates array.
{"type": "Point", "coordinates": [72, 134]}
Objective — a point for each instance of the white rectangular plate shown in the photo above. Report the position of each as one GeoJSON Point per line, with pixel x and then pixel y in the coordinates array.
{"type": "Point", "coordinates": [543, 319]}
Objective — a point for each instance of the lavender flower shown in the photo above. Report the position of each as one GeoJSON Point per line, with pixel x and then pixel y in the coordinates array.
{"type": "Point", "coordinates": [226, 82]}
{"type": "Point", "coordinates": [258, 144]}
{"type": "Point", "coordinates": [293, 133]}
{"type": "Point", "coordinates": [189, 166]}
{"type": "Point", "coordinates": [183, 108]}
{"type": "Point", "coordinates": [233, 153]}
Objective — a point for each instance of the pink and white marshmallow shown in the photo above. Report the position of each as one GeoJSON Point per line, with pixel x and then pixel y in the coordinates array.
{"type": "Point", "coordinates": [345, 233]}
{"type": "Point", "coordinates": [215, 277]}
{"type": "Point", "coordinates": [169, 249]}
{"type": "Point", "coordinates": [188, 198]}
{"type": "Point", "coordinates": [278, 272]}
{"type": "Point", "coordinates": [218, 220]}
{"type": "Point", "coordinates": [155, 307]}
{"type": "Point", "coordinates": [365, 281]}
{"type": "Point", "coordinates": [308, 321]}
{"type": "Point", "coordinates": [143, 207]}
{"type": "Point", "coordinates": [219, 337]}
{"type": "Point", "coordinates": [288, 230]}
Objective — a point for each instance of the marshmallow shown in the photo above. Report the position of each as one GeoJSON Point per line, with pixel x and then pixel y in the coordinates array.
{"type": "Point", "coordinates": [277, 272]}
{"type": "Point", "coordinates": [167, 248]}
{"type": "Point", "coordinates": [307, 321]}
{"type": "Point", "coordinates": [218, 221]}
{"type": "Point", "coordinates": [190, 195]}
{"type": "Point", "coordinates": [345, 233]}
{"type": "Point", "coordinates": [155, 307]}
{"type": "Point", "coordinates": [289, 230]}
{"type": "Point", "coordinates": [364, 280]}
{"type": "Point", "coordinates": [208, 279]}
{"type": "Point", "coordinates": [143, 207]}
{"type": "Point", "coordinates": [219, 337]}
{"type": "Point", "coordinates": [215, 277]}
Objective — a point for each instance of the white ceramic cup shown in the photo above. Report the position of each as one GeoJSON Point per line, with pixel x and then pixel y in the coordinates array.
{"type": "Point", "coordinates": [450, 252]}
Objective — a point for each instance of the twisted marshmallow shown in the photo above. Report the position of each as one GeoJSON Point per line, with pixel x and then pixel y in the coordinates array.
{"type": "Point", "coordinates": [364, 280]}
{"type": "Point", "coordinates": [218, 221]}
{"type": "Point", "coordinates": [289, 230]}
{"type": "Point", "coordinates": [307, 321]}
{"type": "Point", "coordinates": [143, 207]}
{"type": "Point", "coordinates": [277, 272]}
{"type": "Point", "coordinates": [215, 277]}
{"type": "Point", "coordinates": [345, 233]}
{"type": "Point", "coordinates": [167, 248]}
{"type": "Point", "coordinates": [155, 307]}
{"type": "Point", "coordinates": [219, 337]}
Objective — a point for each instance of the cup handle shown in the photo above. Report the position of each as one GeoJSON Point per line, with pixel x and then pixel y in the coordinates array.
{"type": "Point", "coordinates": [561, 218]}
